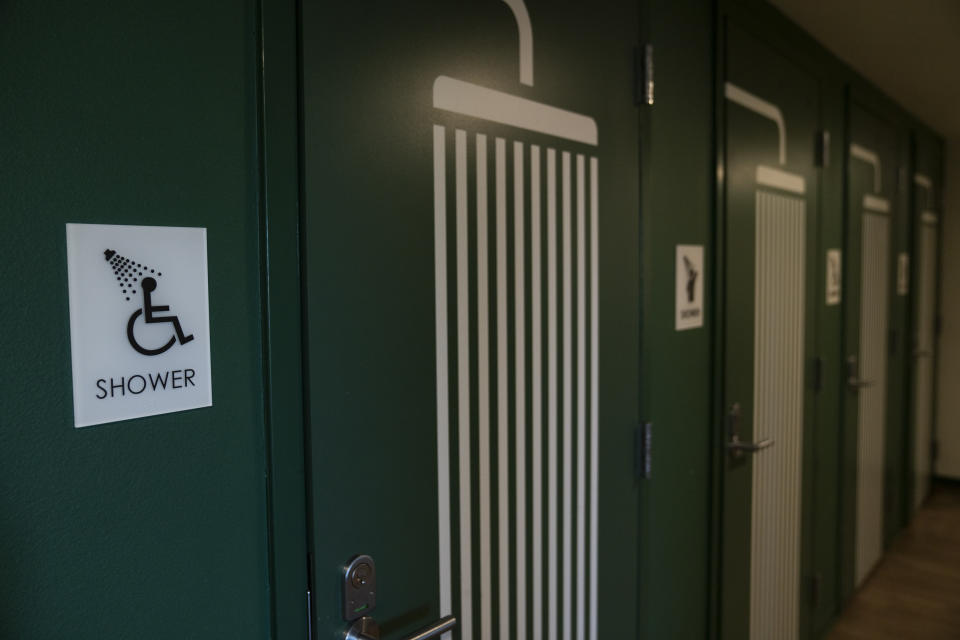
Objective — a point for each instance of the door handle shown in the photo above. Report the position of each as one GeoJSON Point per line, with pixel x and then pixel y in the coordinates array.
{"type": "Point", "coordinates": [854, 381]}
{"type": "Point", "coordinates": [360, 598]}
{"type": "Point", "coordinates": [434, 630]}
{"type": "Point", "coordinates": [366, 629]}
{"type": "Point", "coordinates": [735, 446]}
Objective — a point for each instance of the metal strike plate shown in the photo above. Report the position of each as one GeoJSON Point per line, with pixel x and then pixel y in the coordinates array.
{"type": "Point", "coordinates": [359, 588]}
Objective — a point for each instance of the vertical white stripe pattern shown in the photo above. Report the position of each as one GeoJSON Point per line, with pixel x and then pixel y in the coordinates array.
{"type": "Point", "coordinates": [553, 582]}
{"type": "Point", "coordinates": [503, 417]}
{"type": "Point", "coordinates": [520, 378]}
{"type": "Point", "coordinates": [483, 392]}
{"type": "Point", "coordinates": [872, 399]}
{"type": "Point", "coordinates": [594, 395]}
{"type": "Point", "coordinates": [567, 402]}
{"type": "Point", "coordinates": [443, 402]}
{"type": "Point", "coordinates": [779, 300]}
{"type": "Point", "coordinates": [535, 518]}
{"type": "Point", "coordinates": [536, 384]}
{"type": "Point", "coordinates": [463, 384]}
{"type": "Point", "coordinates": [581, 398]}
{"type": "Point", "coordinates": [923, 402]}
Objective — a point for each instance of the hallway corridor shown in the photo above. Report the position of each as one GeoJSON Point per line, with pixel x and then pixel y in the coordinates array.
{"type": "Point", "coordinates": [915, 591]}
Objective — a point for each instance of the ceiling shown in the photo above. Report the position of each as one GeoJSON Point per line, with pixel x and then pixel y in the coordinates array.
{"type": "Point", "coordinates": [908, 48]}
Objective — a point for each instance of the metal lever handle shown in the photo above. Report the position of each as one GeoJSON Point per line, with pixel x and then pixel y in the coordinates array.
{"type": "Point", "coordinates": [434, 630]}
{"type": "Point", "coordinates": [750, 447]}
{"type": "Point", "coordinates": [854, 381]}
{"type": "Point", "coordinates": [366, 629]}
{"type": "Point", "coordinates": [735, 446]}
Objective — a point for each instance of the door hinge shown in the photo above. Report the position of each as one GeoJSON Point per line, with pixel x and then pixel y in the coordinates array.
{"type": "Point", "coordinates": [643, 75]}
{"type": "Point", "coordinates": [643, 447]}
{"type": "Point", "coordinates": [938, 325]}
{"type": "Point", "coordinates": [894, 340]}
{"type": "Point", "coordinates": [815, 583]}
{"type": "Point", "coordinates": [817, 374]}
{"type": "Point", "coordinates": [823, 148]}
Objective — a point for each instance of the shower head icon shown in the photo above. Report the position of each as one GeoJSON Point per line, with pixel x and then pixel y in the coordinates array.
{"type": "Point", "coordinates": [128, 273]}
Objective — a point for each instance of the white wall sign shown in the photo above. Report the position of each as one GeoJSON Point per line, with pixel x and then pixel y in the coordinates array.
{"type": "Point", "coordinates": [903, 274]}
{"type": "Point", "coordinates": [689, 292]}
{"type": "Point", "coordinates": [834, 276]}
{"type": "Point", "coordinates": [139, 321]}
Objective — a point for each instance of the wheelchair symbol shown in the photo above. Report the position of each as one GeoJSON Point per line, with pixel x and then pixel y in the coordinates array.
{"type": "Point", "coordinates": [149, 285]}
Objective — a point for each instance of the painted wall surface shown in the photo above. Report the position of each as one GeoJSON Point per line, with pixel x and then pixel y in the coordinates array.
{"type": "Point", "coordinates": [947, 429]}
{"type": "Point", "coordinates": [129, 113]}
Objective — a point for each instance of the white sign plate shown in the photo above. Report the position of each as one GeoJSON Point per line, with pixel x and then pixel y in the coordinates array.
{"type": "Point", "coordinates": [139, 321]}
{"type": "Point", "coordinates": [689, 293]}
{"type": "Point", "coordinates": [834, 276]}
{"type": "Point", "coordinates": [903, 274]}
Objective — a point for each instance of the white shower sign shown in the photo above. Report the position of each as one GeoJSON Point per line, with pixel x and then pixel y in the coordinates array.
{"type": "Point", "coordinates": [689, 293]}
{"type": "Point", "coordinates": [139, 321]}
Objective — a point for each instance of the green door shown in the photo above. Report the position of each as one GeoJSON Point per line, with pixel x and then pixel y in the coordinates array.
{"type": "Point", "coordinates": [769, 231]}
{"type": "Point", "coordinates": [869, 278]}
{"type": "Point", "coordinates": [470, 238]}
{"type": "Point", "coordinates": [925, 222]}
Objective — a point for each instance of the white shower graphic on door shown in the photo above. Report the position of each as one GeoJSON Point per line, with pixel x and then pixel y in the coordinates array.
{"type": "Point", "coordinates": [515, 225]}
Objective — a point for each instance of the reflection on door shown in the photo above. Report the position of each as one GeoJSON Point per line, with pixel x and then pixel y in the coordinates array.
{"type": "Point", "coordinates": [518, 415]}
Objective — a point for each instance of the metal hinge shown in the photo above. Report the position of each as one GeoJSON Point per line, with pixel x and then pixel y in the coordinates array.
{"type": "Point", "coordinates": [643, 75]}
{"type": "Point", "coordinates": [823, 148]}
{"type": "Point", "coordinates": [643, 446]}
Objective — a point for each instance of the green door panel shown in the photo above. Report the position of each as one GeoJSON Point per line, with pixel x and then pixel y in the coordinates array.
{"type": "Point", "coordinates": [134, 113]}
{"type": "Point", "coordinates": [472, 283]}
{"type": "Point", "coordinates": [872, 187]}
{"type": "Point", "coordinates": [925, 221]}
{"type": "Point", "coordinates": [898, 401]}
{"type": "Point", "coordinates": [770, 240]}
{"type": "Point", "coordinates": [677, 375]}
{"type": "Point", "coordinates": [824, 498]}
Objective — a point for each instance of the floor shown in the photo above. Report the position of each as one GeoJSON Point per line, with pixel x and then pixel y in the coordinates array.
{"type": "Point", "coordinates": [914, 593]}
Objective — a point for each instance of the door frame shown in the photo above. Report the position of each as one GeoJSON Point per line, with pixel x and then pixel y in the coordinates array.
{"type": "Point", "coordinates": [278, 198]}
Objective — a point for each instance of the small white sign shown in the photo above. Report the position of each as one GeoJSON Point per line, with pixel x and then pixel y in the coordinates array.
{"type": "Point", "coordinates": [834, 276]}
{"type": "Point", "coordinates": [903, 274]}
{"type": "Point", "coordinates": [139, 321]}
{"type": "Point", "coordinates": [689, 292]}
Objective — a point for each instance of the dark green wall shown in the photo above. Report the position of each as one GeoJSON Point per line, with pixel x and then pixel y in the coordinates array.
{"type": "Point", "coordinates": [130, 113]}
